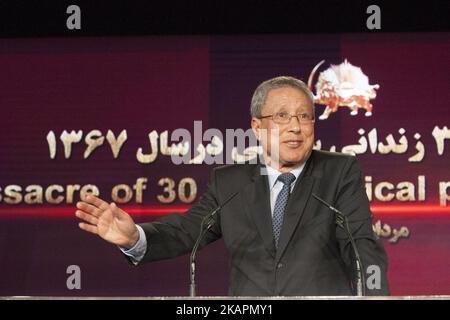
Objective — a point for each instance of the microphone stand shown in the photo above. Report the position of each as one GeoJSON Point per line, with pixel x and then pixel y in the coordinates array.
{"type": "Point", "coordinates": [207, 221]}
{"type": "Point", "coordinates": [342, 221]}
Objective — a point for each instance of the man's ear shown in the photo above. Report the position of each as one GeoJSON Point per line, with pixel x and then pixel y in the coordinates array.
{"type": "Point", "coordinates": [256, 126]}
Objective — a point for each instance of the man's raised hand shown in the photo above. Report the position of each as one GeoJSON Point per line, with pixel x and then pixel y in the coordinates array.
{"type": "Point", "coordinates": [107, 221]}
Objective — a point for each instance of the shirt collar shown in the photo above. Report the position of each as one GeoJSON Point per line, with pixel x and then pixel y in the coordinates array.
{"type": "Point", "coordinates": [273, 174]}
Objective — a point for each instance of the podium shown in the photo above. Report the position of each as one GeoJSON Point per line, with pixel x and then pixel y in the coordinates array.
{"type": "Point", "coordinates": [237, 299]}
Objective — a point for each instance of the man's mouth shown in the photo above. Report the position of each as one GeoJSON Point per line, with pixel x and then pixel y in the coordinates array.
{"type": "Point", "coordinates": [294, 143]}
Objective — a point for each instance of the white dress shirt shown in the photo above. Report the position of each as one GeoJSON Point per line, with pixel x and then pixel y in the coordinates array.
{"type": "Point", "coordinates": [275, 186]}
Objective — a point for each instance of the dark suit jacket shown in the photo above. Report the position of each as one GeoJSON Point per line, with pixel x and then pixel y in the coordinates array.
{"type": "Point", "coordinates": [314, 256]}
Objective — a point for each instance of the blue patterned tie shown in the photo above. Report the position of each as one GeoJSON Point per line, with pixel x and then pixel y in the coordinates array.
{"type": "Point", "coordinates": [280, 204]}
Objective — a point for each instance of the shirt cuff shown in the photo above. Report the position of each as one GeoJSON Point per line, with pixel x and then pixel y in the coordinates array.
{"type": "Point", "coordinates": [137, 252]}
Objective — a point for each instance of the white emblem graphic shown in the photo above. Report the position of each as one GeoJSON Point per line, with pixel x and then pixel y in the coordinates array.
{"type": "Point", "coordinates": [343, 85]}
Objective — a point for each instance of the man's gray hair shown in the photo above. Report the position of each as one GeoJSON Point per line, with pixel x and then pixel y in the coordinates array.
{"type": "Point", "coordinates": [260, 94]}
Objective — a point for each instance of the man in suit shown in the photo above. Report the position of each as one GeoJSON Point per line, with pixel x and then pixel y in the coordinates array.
{"type": "Point", "coordinates": [281, 239]}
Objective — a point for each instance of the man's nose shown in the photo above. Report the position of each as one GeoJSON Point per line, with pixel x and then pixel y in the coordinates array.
{"type": "Point", "coordinates": [294, 125]}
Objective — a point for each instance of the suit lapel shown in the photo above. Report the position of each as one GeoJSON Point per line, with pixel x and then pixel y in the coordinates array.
{"type": "Point", "coordinates": [294, 212]}
{"type": "Point", "coordinates": [256, 197]}
{"type": "Point", "coordinates": [257, 204]}
{"type": "Point", "coordinates": [295, 209]}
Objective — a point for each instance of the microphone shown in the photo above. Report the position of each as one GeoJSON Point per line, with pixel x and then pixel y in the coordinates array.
{"type": "Point", "coordinates": [342, 221]}
{"type": "Point", "coordinates": [209, 221]}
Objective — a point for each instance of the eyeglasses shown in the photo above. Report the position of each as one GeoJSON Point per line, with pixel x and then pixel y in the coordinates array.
{"type": "Point", "coordinates": [285, 118]}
